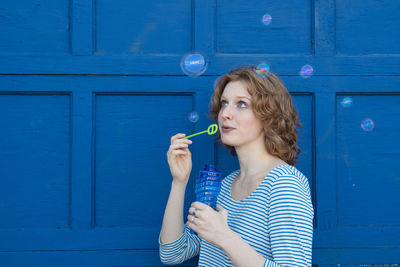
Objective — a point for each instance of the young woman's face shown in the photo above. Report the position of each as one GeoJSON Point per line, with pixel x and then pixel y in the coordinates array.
{"type": "Point", "coordinates": [237, 114]}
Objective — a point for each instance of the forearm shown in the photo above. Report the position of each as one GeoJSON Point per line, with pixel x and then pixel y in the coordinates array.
{"type": "Point", "coordinates": [173, 226]}
{"type": "Point", "coordinates": [240, 252]}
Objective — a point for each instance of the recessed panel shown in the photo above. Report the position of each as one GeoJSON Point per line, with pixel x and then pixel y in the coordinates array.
{"type": "Point", "coordinates": [367, 152]}
{"type": "Point", "coordinates": [132, 175]}
{"type": "Point", "coordinates": [367, 27]}
{"type": "Point", "coordinates": [40, 26]}
{"type": "Point", "coordinates": [141, 27]}
{"type": "Point", "coordinates": [35, 161]}
{"type": "Point", "coordinates": [284, 30]}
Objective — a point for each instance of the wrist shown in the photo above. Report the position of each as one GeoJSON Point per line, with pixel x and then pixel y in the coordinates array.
{"type": "Point", "coordinates": [178, 185]}
{"type": "Point", "coordinates": [227, 239]}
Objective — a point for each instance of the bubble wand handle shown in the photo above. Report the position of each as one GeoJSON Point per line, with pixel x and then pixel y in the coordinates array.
{"type": "Point", "coordinates": [212, 129]}
{"type": "Point", "coordinates": [196, 134]}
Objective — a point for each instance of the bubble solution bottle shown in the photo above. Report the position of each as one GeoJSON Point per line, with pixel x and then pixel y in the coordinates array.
{"type": "Point", "coordinates": [208, 185]}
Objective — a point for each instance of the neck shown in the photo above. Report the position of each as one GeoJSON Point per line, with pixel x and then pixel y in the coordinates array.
{"type": "Point", "coordinates": [254, 160]}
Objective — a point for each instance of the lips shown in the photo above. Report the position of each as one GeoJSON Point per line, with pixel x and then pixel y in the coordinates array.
{"type": "Point", "coordinates": [226, 128]}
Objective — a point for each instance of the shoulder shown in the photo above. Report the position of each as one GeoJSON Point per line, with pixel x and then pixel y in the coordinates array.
{"type": "Point", "coordinates": [290, 196]}
{"type": "Point", "coordinates": [289, 178]}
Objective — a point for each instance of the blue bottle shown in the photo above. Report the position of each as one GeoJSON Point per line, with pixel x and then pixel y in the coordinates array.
{"type": "Point", "coordinates": [208, 185]}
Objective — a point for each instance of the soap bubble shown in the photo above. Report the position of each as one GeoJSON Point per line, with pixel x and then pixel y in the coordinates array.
{"type": "Point", "coordinates": [262, 70]}
{"type": "Point", "coordinates": [306, 71]}
{"type": "Point", "coordinates": [367, 125]}
{"type": "Point", "coordinates": [266, 19]}
{"type": "Point", "coordinates": [194, 64]}
{"type": "Point", "coordinates": [347, 102]}
{"type": "Point", "coordinates": [193, 117]}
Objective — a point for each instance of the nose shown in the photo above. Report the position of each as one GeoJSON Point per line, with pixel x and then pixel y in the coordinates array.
{"type": "Point", "coordinates": [226, 112]}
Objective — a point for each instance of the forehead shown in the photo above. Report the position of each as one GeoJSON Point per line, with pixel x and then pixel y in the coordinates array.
{"type": "Point", "coordinates": [235, 88]}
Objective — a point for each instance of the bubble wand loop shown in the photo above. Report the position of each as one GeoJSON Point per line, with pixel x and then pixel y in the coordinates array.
{"type": "Point", "coordinates": [212, 129]}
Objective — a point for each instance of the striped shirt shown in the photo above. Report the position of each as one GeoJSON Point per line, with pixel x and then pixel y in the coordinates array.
{"type": "Point", "coordinates": [276, 220]}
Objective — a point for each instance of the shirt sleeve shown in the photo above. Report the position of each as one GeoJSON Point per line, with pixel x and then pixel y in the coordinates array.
{"type": "Point", "coordinates": [290, 222]}
{"type": "Point", "coordinates": [185, 247]}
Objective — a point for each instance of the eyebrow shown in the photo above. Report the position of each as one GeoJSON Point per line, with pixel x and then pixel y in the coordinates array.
{"type": "Point", "coordinates": [222, 97]}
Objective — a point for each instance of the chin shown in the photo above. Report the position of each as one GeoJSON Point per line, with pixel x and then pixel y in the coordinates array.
{"type": "Point", "coordinates": [228, 142]}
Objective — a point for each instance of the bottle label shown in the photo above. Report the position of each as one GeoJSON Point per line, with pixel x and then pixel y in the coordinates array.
{"type": "Point", "coordinates": [208, 186]}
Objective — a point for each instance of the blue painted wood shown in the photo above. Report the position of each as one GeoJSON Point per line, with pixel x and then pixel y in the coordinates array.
{"type": "Point", "coordinates": [32, 150]}
{"type": "Point", "coordinates": [149, 27]}
{"type": "Point", "coordinates": [82, 28]}
{"type": "Point", "coordinates": [79, 80]}
{"type": "Point", "coordinates": [117, 258]}
{"type": "Point", "coordinates": [240, 29]}
{"type": "Point", "coordinates": [166, 64]}
{"type": "Point", "coordinates": [32, 28]}
{"type": "Point", "coordinates": [324, 28]}
{"type": "Point", "coordinates": [204, 33]}
{"type": "Point", "coordinates": [126, 149]}
{"type": "Point", "coordinates": [325, 157]}
{"type": "Point", "coordinates": [365, 155]}
{"type": "Point", "coordinates": [358, 34]}
{"type": "Point", "coordinates": [82, 193]}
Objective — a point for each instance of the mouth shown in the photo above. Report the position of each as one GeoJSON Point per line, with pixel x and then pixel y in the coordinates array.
{"type": "Point", "coordinates": [227, 129]}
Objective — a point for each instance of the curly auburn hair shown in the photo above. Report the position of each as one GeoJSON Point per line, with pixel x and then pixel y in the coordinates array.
{"type": "Point", "coordinates": [272, 104]}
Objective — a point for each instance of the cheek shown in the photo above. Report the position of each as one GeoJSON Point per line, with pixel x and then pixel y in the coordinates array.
{"type": "Point", "coordinates": [251, 124]}
{"type": "Point", "coordinates": [219, 117]}
{"type": "Point", "coordinates": [247, 119]}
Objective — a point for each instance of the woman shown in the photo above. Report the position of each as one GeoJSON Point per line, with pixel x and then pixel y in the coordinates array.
{"type": "Point", "coordinates": [264, 212]}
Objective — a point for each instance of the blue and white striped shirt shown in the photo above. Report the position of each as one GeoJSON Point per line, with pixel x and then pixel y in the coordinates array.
{"type": "Point", "coordinates": [276, 220]}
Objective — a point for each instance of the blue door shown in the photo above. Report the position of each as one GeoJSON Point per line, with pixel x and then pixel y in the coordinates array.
{"type": "Point", "coordinates": [92, 91]}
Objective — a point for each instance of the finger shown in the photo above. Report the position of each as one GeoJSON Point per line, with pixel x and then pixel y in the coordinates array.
{"type": "Point", "coordinates": [182, 141]}
{"type": "Point", "coordinates": [193, 211]}
{"type": "Point", "coordinates": [200, 206]}
{"type": "Point", "coordinates": [180, 145]}
{"type": "Point", "coordinates": [178, 152]}
{"type": "Point", "coordinates": [179, 149]}
{"type": "Point", "coordinates": [191, 219]}
{"type": "Point", "coordinates": [191, 225]}
{"type": "Point", "coordinates": [177, 136]}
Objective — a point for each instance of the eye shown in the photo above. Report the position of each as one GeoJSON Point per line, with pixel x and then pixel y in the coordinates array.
{"type": "Point", "coordinates": [244, 104]}
{"type": "Point", "coordinates": [241, 104]}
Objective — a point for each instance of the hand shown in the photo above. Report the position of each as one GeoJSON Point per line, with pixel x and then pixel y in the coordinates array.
{"type": "Point", "coordinates": [209, 224]}
{"type": "Point", "coordinates": [180, 158]}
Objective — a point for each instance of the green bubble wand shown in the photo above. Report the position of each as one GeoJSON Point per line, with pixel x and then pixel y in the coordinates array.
{"type": "Point", "coordinates": [212, 129]}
